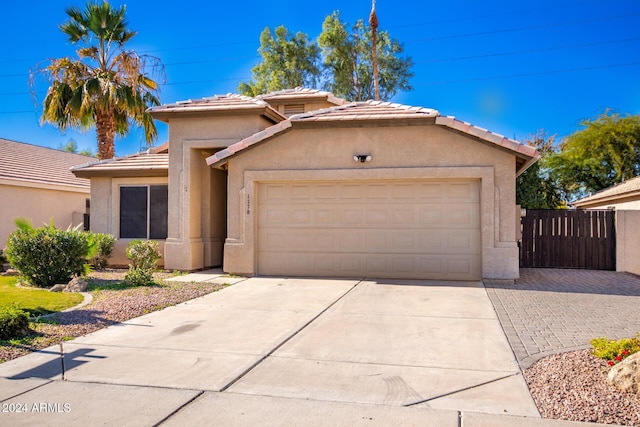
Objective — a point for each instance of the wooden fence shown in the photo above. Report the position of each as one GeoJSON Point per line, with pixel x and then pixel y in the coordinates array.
{"type": "Point", "coordinates": [569, 239]}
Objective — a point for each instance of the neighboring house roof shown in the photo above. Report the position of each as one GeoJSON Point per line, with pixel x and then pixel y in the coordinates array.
{"type": "Point", "coordinates": [301, 94]}
{"type": "Point", "coordinates": [230, 103]}
{"type": "Point", "coordinates": [624, 192]}
{"type": "Point", "coordinates": [382, 113]}
{"type": "Point", "coordinates": [33, 165]}
{"type": "Point", "coordinates": [143, 164]}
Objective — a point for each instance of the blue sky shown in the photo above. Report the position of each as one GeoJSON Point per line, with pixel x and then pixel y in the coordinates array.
{"type": "Point", "coordinates": [510, 67]}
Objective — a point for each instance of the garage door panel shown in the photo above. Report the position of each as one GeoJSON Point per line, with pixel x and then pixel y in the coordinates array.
{"type": "Point", "coordinates": [352, 216]}
{"type": "Point", "coordinates": [351, 241]}
{"type": "Point", "coordinates": [386, 229]}
{"type": "Point", "coordinates": [377, 216]}
{"type": "Point", "coordinates": [300, 216]}
{"type": "Point", "coordinates": [274, 215]}
{"type": "Point", "coordinates": [464, 190]}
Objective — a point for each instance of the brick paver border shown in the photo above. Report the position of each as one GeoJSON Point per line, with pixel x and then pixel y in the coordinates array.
{"type": "Point", "coordinates": [551, 311]}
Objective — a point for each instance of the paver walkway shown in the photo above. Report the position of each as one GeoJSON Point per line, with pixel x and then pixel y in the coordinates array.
{"type": "Point", "coordinates": [554, 310]}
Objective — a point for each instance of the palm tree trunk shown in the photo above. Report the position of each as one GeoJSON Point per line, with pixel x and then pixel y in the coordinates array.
{"type": "Point", "coordinates": [106, 132]}
{"type": "Point", "coordinates": [373, 21]}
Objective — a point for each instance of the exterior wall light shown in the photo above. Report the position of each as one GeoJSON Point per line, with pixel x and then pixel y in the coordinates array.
{"type": "Point", "coordinates": [361, 158]}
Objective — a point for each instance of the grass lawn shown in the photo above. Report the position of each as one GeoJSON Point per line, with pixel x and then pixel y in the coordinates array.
{"type": "Point", "coordinates": [35, 301]}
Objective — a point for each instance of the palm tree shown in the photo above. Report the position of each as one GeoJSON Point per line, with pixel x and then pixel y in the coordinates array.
{"type": "Point", "coordinates": [106, 85]}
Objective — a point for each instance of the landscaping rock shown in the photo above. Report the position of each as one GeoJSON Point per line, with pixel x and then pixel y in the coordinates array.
{"type": "Point", "coordinates": [626, 374]}
{"type": "Point", "coordinates": [77, 284]}
{"type": "Point", "coordinates": [10, 272]}
{"type": "Point", "coordinates": [57, 288]}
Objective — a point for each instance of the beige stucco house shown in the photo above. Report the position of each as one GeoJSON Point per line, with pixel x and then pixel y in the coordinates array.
{"type": "Point", "coordinates": [624, 198]}
{"type": "Point", "coordinates": [299, 182]}
{"type": "Point", "coordinates": [36, 183]}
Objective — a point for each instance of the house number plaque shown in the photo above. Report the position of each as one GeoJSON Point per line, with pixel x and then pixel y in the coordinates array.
{"type": "Point", "coordinates": [248, 204]}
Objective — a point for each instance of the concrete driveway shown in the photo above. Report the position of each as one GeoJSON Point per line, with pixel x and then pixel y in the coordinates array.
{"type": "Point", "coordinates": [276, 350]}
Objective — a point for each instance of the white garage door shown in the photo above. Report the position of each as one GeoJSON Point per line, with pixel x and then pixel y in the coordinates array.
{"type": "Point", "coordinates": [375, 229]}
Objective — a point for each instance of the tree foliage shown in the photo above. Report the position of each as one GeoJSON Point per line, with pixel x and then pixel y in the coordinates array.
{"type": "Point", "coordinates": [107, 85]}
{"type": "Point", "coordinates": [72, 147]}
{"type": "Point", "coordinates": [288, 61]}
{"type": "Point", "coordinates": [605, 152]}
{"type": "Point", "coordinates": [348, 61]}
{"type": "Point", "coordinates": [536, 187]}
{"type": "Point", "coordinates": [340, 61]}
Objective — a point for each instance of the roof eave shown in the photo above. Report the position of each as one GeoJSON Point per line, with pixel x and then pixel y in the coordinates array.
{"type": "Point", "coordinates": [525, 152]}
{"type": "Point", "coordinates": [122, 173]}
{"type": "Point", "coordinates": [409, 120]}
{"type": "Point", "coordinates": [593, 201]}
{"type": "Point", "coordinates": [221, 158]}
{"type": "Point", "coordinates": [167, 113]}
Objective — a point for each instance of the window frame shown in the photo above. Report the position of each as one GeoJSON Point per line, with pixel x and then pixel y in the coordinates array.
{"type": "Point", "coordinates": [117, 184]}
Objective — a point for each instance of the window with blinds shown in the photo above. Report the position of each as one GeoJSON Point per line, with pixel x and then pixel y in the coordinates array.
{"type": "Point", "coordinates": [144, 212]}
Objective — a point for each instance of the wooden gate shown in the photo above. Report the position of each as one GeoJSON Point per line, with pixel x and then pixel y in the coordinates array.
{"type": "Point", "coordinates": [569, 239]}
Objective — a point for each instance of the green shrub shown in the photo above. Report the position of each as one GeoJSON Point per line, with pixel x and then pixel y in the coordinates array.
{"type": "Point", "coordinates": [14, 323]}
{"type": "Point", "coordinates": [138, 277]}
{"type": "Point", "coordinates": [144, 258]}
{"type": "Point", "coordinates": [46, 256]}
{"type": "Point", "coordinates": [615, 351]}
{"type": "Point", "coordinates": [104, 244]}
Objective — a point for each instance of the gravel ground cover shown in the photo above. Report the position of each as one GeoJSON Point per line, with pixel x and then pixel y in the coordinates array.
{"type": "Point", "coordinates": [573, 386]}
{"type": "Point", "coordinates": [112, 303]}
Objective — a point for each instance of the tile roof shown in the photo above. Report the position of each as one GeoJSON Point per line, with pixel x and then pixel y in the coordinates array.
{"type": "Point", "coordinates": [218, 103]}
{"type": "Point", "coordinates": [613, 194]}
{"type": "Point", "coordinates": [368, 110]}
{"type": "Point", "coordinates": [40, 165]}
{"type": "Point", "coordinates": [522, 150]}
{"type": "Point", "coordinates": [382, 111]}
{"type": "Point", "coordinates": [301, 93]}
{"type": "Point", "coordinates": [143, 164]}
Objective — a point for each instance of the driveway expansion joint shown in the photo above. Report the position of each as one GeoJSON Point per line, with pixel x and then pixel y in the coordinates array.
{"type": "Point", "coordinates": [26, 391]}
{"type": "Point", "coordinates": [179, 408]}
{"type": "Point", "coordinates": [286, 340]}
{"type": "Point", "coordinates": [462, 389]}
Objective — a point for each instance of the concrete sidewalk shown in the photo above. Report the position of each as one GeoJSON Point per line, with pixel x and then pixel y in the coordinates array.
{"type": "Point", "coordinates": [274, 351]}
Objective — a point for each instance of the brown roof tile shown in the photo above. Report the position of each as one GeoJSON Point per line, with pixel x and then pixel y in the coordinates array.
{"type": "Point", "coordinates": [301, 93]}
{"type": "Point", "coordinates": [33, 163]}
{"type": "Point", "coordinates": [618, 191]}
{"type": "Point", "coordinates": [144, 164]}
{"type": "Point", "coordinates": [369, 110]}
{"type": "Point", "coordinates": [218, 103]}
{"type": "Point", "coordinates": [383, 111]}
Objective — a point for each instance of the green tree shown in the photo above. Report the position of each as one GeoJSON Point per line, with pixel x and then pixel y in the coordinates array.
{"type": "Point", "coordinates": [72, 147]}
{"type": "Point", "coordinates": [605, 152]}
{"type": "Point", "coordinates": [348, 61]}
{"type": "Point", "coordinates": [536, 187]}
{"type": "Point", "coordinates": [107, 86]}
{"type": "Point", "coordinates": [341, 62]}
{"type": "Point", "coordinates": [288, 61]}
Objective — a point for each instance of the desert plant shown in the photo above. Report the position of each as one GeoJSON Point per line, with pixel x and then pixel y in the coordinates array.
{"type": "Point", "coordinates": [46, 256]}
{"type": "Point", "coordinates": [144, 258]}
{"type": "Point", "coordinates": [615, 351]}
{"type": "Point", "coordinates": [14, 323]}
{"type": "Point", "coordinates": [104, 244]}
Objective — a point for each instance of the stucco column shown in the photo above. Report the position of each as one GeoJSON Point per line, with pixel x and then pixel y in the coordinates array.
{"type": "Point", "coordinates": [184, 249]}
